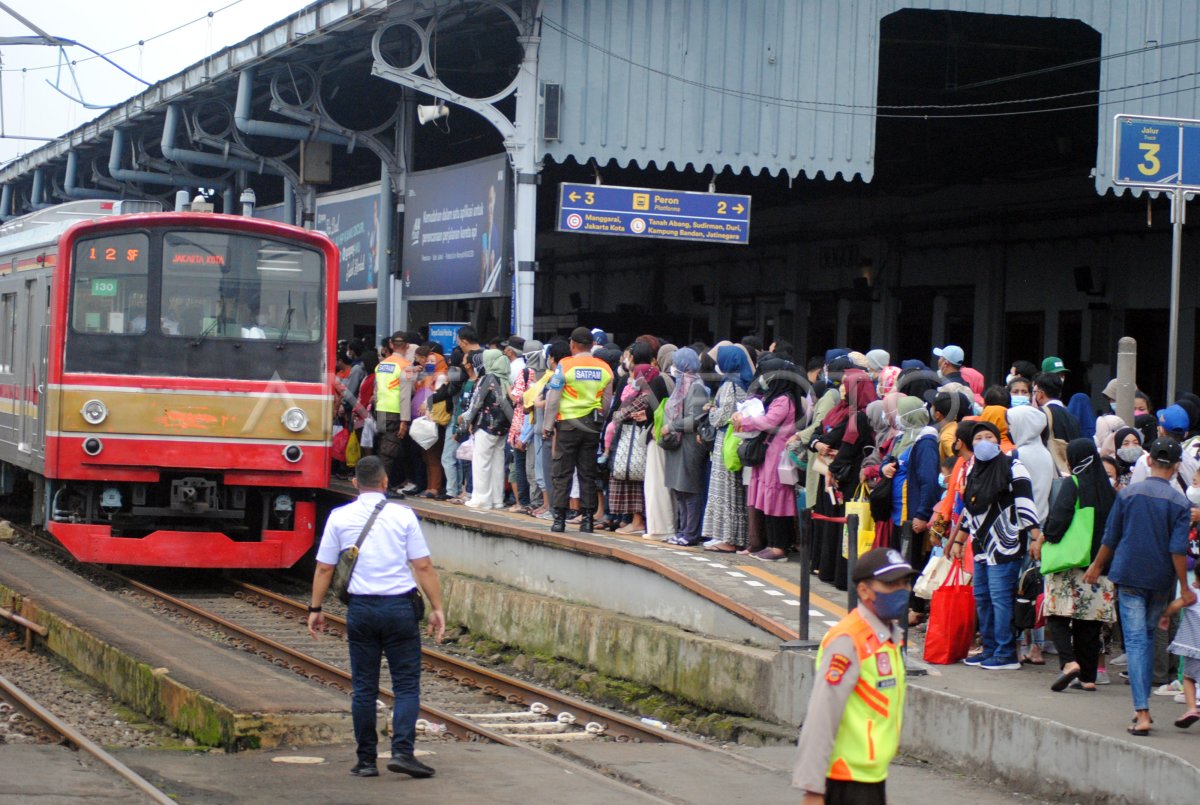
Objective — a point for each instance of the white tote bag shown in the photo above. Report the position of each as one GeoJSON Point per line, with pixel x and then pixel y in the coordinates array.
{"type": "Point", "coordinates": [466, 450]}
{"type": "Point", "coordinates": [424, 432]}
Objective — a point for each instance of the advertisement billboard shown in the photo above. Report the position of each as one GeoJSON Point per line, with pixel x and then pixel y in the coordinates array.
{"type": "Point", "coordinates": [457, 231]}
{"type": "Point", "coordinates": [351, 220]}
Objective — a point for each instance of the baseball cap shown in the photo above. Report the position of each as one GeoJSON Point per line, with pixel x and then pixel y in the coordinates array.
{"type": "Point", "coordinates": [952, 353]}
{"type": "Point", "coordinates": [885, 564]}
{"type": "Point", "coordinates": [841, 363]}
{"type": "Point", "coordinates": [599, 337]}
{"type": "Point", "coordinates": [516, 342]}
{"type": "Point", "coordinates": [1174, 418]}
{"type": "Point", "coordinates": [582, 335]}
{"type": "Point", "coordinates": [1053, 365]}
{"type": "Point", "coordinates": [1165, 450]}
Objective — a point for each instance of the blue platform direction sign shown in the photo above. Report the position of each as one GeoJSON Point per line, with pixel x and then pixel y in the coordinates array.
{"type": "Point", "coordinates": [1161, 153]}
{"type": "Point", "coordinates": [641, 212]}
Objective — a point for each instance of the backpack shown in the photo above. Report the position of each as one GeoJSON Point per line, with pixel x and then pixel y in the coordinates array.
{"type": "Point", "coordinates": [1025, 604]}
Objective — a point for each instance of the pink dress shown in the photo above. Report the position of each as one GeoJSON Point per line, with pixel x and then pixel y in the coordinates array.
{"type": "Point", "coordinates": [766, 493]}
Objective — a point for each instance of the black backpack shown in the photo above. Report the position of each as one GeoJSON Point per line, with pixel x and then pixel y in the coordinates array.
{"type": "Point", "coordinates": [1029, 587]}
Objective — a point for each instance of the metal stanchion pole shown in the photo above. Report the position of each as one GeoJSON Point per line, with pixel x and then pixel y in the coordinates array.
{"type": "Point", "coordinates": [805, 521]}
{"type": "Point", "coordinates": [908, 549]}
{"type": "Point", "coordinates": [851, 561]}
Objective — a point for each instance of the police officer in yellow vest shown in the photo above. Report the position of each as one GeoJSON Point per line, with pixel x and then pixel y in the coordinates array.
{"type": "Point", "coordinates": [578, 397]}
{"type": "Point", "coordinates": [393, 409]}
{"type": "Point", "coordinates": [852, 729]}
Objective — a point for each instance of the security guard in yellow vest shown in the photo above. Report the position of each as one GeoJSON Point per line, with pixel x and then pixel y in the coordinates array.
{"type": "Point", "coordinates": [578, 398]}
{"type": "Point", "coordinates": [852, 729]}
{"type": "Point", "coordinates": [393, 409]}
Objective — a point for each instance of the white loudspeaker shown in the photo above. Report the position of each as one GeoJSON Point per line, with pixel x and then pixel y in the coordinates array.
{"type": "Point", "coordinates": [428, 113]}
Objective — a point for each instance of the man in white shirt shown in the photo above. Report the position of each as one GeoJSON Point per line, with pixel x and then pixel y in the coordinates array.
{"type": "Point", "coordinates": [382, 617]}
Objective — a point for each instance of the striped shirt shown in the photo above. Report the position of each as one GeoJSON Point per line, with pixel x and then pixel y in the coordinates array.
{"type": "Point", "coordinates": [997, 533]}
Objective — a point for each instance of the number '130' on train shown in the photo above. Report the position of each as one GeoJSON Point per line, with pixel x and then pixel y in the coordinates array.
{"type": "Point", "coordinates": [164, 394]}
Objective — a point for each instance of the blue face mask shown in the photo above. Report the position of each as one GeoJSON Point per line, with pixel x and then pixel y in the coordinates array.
{"type": "Point", "coordinates": [942, 481]}
{"type": "Point", "coordinates": [1017, 400]}
{"type": "Point", "coordinates": [986, 451]}
{"type": "Point", "coordinates": [1113, 406]}
{"type": "Point", "coordinates": [890, 606]}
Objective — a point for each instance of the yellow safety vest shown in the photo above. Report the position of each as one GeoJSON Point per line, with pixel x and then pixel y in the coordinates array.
{"type": "Point", "coordinates": [869, 735]}
{"type": "Point", "coordinates": [586, 378]}
{"type": "Point", "coordinates": [388, 376]}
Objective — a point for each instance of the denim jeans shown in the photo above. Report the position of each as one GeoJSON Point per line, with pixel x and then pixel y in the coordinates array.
{"type": "Point", "coordinates": [1140, 610]}
{"type": "Point", "coordinates": [379, 625]}
{"type": "Point", "coordinates": [995, 588]}
{"type": "Point", "coordinates": [518, 476]}
{"type": "Point", "coordinates": [451, 466]}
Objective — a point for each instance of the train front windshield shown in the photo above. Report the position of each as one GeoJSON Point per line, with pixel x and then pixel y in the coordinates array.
{"type": "Point", "coordinates": [196, 303]}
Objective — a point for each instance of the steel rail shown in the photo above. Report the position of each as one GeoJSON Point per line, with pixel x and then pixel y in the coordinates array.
{"type": "Point", "coordinates": [53, 724]}
{"type": "Point", "coordinates": [516, 691]}
{"type": "Point", "coordinates": [311, 666]}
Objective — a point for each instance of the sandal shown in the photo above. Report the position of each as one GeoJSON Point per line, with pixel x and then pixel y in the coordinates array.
{"type": "Point", "coordinates": [1188, 719]}
{"type": "Point", "coordinates": [1060, 684]}
{"type": "Point", "coordinates": [724, 547]}
{"type": "Point", "coordinates": [769, 555]}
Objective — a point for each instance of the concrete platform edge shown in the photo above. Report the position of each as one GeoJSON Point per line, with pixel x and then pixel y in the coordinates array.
{"type": "Point", "coordinates": [158, 696]}
{"type": "Point", "coordinates": [1039, 756]}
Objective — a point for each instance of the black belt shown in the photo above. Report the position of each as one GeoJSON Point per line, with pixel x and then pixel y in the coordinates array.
{"type": "Point", "coordinates": [410, 594]}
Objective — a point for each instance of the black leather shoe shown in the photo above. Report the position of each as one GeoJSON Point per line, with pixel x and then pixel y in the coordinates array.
{"type": "Point", "coordinates": [410, 766]}
{"type": "Point", "coordinates": [587, 523]}
{"type": "Point", "coordinates": [365, 770]}
{"type": "Point", "coordinates": [560, 521]}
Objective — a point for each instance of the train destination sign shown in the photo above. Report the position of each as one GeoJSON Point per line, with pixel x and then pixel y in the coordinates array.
{"type": "Point", "coordinates": [640, 212]}
{"type": "Point", "coordinates": [1156, 152]}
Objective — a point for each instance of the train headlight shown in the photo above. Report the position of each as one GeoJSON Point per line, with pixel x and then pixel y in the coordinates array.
{"type": "Point", "coordinates": [292, 453]}
{"type": "Point", "coordinates": [92, 446]}
{"type": "Point", "coordinates": [94, 412]}
{"type": "Point", "coordinates": [295, 420]}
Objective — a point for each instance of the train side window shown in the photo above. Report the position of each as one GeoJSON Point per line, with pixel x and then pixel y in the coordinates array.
{"type": "Point", "coordinates": [8, 331]}
{"type": "Point", "coordinates": [109, 281]}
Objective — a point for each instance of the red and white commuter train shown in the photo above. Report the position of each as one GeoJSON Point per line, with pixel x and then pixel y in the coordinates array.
{"type": "Point", "coordinates": [164, 382]}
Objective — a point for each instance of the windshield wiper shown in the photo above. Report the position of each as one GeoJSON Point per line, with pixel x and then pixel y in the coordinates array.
{"type": "Point", "coordinates": [287, 323]}
{"type": "Point", "coordinates": [218, 321]}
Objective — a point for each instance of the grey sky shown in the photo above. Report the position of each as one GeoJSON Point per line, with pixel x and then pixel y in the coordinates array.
{"type": "Point", "coordinates": [32, 107]}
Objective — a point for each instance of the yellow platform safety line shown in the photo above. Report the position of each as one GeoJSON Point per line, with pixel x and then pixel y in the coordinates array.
{"type": "Point", "coordinates": [794, 589]}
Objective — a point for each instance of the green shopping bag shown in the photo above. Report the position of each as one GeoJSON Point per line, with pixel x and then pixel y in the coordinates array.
{"type": "Point", "coordinates": [1075, 547]}
{"type": "Point", "coordinates": [729, 453]}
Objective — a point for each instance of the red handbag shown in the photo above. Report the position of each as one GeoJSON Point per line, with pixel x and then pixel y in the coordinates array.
{"type": "Point", "coordinates": [341, 441]}
{"type": "Point", "coordinates": [951, 625]}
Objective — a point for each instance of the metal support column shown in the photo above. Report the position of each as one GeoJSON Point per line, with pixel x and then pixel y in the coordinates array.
{"type": "Point", "coordinates": [522, 152]}
{"type": "Point", "coordinates": [383, 256]}
{"type": "Point", "coordinates": [1178, 218]}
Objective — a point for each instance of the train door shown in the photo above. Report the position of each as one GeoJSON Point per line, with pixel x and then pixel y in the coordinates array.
{"type": "Point", "coordinates": [29, 389]}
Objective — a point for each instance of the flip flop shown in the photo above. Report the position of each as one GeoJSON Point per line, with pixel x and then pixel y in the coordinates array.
{"type": "Point", "coordinates": [1060, 684]}
{"type": "Point", "coordinates": [717, 549]}
{"type": "Point", "coordinates": [1188, 719]}
{"type": "Point", "coordinates": [1135, 731]}
{"type": "Point", "coordinates": [1077, 685]}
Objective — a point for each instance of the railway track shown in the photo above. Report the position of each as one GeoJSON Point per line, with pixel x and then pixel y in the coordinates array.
{"type": "Point", "coordinates": [53, 725]}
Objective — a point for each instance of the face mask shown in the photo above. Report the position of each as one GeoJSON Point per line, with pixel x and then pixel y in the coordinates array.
{"type": "Point", "coordinates": [986, 451]}
{"type": "Point", "coordinates": [1017, 400]}
{"type": "Point", "coordinates": [1129, 454]}
{"type": "Point", "coordinates": [1113, 406]}
{"type": "Point", "coordinates": [1193, 494]}
{"type": "Point", "coordinates": [942, 481]}
{"type": "Point", "coordinates": [890, 606]}
{"type": "Point", "coordinates": [674, 372]}
{"type": "Point", "coordinates": [976, 409]}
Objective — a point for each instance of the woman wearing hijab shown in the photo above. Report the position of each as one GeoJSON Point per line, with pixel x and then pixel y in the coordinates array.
{"type": "Point", "coordinates": [489, 416]}
{"type": "Point", "coordinates": [725, 525]}
{"type": "Point", "coordinates": [1127, 443]}
{"type": "Point", "coordinates": [914, 470]}
{"type": "Point", "coordinates": [1106, 426]}
{"type": "Point", "coordinates": [660, 505]}
{"type": "Point", "coordinates": [827, 398]}
{"type": "Point", "coordinates": [1081, 406]}
{"type": "Point", "coordinates": [1026, 424]}
{"type": "Point", "coordinates": [632, 420]}
{"type": "Point", "coordinates": [775, 502]}
{"type": "Point", "coordinates": [685, 465]}
{"type": "Point", "coordinates": [1075, 611]}
{"type": "Point", "coordinates": [847, 434]}
{"type": "Point", "coordinates": [999, 517]}
{"type": "Point", "coordinates": [882, 416]}
{"type": "Point", "coordinates": [435, 376]}
{"type": "Point", "coordinates": [998, 416]}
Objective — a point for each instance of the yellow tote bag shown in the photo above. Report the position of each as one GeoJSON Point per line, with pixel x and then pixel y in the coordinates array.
{"type": "Point", "coordinates": [860, 504]}
{"type": "Point", "coordinates": [353, 450]}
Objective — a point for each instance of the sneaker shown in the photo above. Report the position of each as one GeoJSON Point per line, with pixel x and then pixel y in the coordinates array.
{"type": "Point", "coordinates": [1169, 689]}
{"type": "Point", "coordinates": [978, 659]}
{"type": "Point", "coordinates": [1122, 660]}
{"type": "Point", "coordinates": [993, 664]}
{"type": "Point", "coordinates": [1180, 698]}
{"type": "Point", "coordinates": [1102, 678]}
{"type": "Point", "coordinates": [365, 770]}
{"type": "Point", "coordinates": [1124, 675]}
{"type": "Point", "coordinates": [408, 488]}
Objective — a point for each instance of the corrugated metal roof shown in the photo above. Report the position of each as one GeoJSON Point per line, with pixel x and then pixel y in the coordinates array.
{"type": "Point", "coordinates": [789, 87]}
